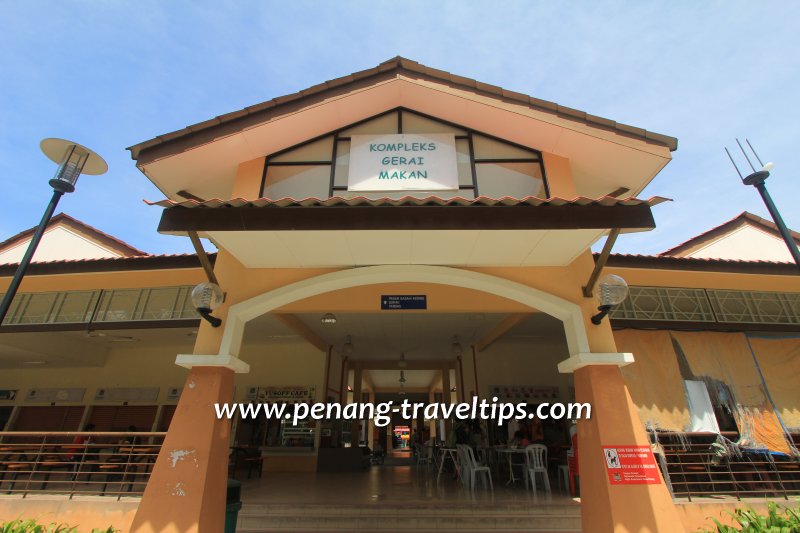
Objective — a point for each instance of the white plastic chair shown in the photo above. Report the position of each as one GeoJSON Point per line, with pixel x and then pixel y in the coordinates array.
{"type": "Point", "coordinates": [536, 462]}
{"type": "Point", "coordinates": [425, 456]}
{"type": "Point", "coordinates": [473, 469]}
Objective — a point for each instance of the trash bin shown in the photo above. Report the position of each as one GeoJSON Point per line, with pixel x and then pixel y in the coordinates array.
{"type": "Point", "coordinates": [233, 502]}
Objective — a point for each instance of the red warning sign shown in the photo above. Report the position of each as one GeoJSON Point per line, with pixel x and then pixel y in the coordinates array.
{"type": "Point", "coordinates": [631, 465]}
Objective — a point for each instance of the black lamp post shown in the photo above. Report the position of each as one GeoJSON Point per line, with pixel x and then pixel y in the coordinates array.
{"type": "Point", "coordinates": [757, 179]}
{"type": "Point", "coordinates": [73, 160]}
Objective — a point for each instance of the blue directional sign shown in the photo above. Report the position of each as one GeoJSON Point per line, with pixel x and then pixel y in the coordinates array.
{"type": "Point", "coordinates": [402, 302]}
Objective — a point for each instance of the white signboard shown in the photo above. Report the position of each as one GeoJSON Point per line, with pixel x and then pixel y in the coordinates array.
{"type": "Point", "coordinates": [405, 162]}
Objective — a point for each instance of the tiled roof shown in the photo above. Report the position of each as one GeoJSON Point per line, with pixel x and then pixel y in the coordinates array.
{"type": "Point", "coordinates": [697, 263]}
{"type": "Point", "coordinates": [123, 247]}
{"type": "Point", "coordinates": [399, 65]}
{"type": "Point", "coordinates": [337, 201]}
{"type": "Point", "coordinates": [723, 228]}
{"type": "Point", "coordinates": [142, 262]}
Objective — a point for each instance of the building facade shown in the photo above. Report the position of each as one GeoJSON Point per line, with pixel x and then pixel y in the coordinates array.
{"type": "Point", "coordinates": [407, 183]}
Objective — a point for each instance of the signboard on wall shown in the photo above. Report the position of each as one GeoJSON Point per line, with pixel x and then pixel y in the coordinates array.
{"type": "Point", "coordinates": [631, 465]}
{"type": "Point", "coordinates": [402, 302]}
{"type": "Point", "coordinates": [287, 394]}
{"type": "Point", "coordinates": [404, 162]}
{"type": "Point", "coordinates": [8, 394]}
{"type": "Point", "coordinates": [529, 394]}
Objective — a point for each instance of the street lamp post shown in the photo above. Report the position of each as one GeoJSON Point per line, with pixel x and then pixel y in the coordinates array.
{"type": "Point", "coordinates": [757, 179]}
{"type": "Point", "coordinates": [73, 160]}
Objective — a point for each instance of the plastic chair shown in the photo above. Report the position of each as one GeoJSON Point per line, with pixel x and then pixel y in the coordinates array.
{"type": "Point", "coordinates": [536, 463]}
{"type": "Point", "coordinates": [572, 461]}
{"type": "Point", "coordinates": [473, 468]}
{"type": "Point", "coordinates": [425, 456]}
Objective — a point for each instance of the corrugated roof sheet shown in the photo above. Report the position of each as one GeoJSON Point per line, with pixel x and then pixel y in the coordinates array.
{"type": "Point", "coordinates": [338, 201]}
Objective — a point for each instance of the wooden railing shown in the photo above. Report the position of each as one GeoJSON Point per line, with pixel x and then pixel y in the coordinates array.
{"type": "Point", "coordinates": [693, 467]}
{"type": "Point", "coordinates": [114, 464]}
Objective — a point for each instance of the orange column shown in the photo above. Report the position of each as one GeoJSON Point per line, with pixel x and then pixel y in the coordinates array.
{"type": "Point", "coordinates": [186, 492]}
{"type": "Point", "coordinates": [614, 421]}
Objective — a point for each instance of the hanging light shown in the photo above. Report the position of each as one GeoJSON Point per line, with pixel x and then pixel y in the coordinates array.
{"type": "Point", "coordinates": [402, 378]}
{"type": "Point", "coordinates": [347, 347]}
{"type": "Point", "coordinates": [402, 362]}
{"type": "Point", "coordinates": [456, 348]}
{"type": "Point", "coordinates": [613, 291]}
{"type": "Point", "coordinates": [328, 318]}
{"type": "Point", "coordinates": [206, 297]}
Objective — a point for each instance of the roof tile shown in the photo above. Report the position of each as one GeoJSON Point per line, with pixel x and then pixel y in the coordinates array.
{"type": "Point", "coordinates": [337, 201]}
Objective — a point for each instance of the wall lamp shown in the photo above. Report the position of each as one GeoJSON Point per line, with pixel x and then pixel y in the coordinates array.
{"type": "Point", "coordinates": [206, 297]}
{"type": "Point", "coordinates": [613, 291]}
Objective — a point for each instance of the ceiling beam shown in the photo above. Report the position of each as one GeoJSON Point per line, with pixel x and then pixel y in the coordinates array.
{"type": "Point", "coordinates": [500, 329]}
{"type": "Point", "coordinates": [299, 327]}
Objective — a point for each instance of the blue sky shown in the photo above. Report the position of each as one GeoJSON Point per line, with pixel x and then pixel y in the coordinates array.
{"type": "Point", "coordinates": [110, 74]}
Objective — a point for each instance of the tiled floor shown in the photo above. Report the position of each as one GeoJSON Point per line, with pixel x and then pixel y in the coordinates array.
{"type": "Point", "coordinates": [392, 483]}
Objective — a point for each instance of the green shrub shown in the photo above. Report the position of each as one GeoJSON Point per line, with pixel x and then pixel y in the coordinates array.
{"type": "Point", "coordinates": [31, 526]}
{"type": "Point", "coordinates": [777, 520]}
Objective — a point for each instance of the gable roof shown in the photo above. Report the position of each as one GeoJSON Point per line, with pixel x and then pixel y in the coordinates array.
{"type": "Point", "coordinates": [743, 218]}
{"type": "Point", "coordinates": [183, 139]}
{"type": "Point", "coordinates": [63, 219]}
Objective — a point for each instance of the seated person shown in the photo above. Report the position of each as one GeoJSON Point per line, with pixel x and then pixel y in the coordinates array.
{"type": "Point", "coordinates": [519, 440]}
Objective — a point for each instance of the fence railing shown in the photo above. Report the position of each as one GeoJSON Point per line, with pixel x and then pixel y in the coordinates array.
{"type": "Point", "coordinates": [113, 464]}
{"type": "Point", "coordinates": [693, 467]}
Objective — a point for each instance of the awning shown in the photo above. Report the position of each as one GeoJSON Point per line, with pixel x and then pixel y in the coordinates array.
{"type": "Point", "coordinates": [347, 232]}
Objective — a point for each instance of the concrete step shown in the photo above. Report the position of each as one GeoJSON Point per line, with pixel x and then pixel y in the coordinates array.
{"type": "Point", "coordinates": [264, 518]}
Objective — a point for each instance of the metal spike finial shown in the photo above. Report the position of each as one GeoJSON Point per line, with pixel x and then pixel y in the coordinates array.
{"type": "Point", "coordinates": [745, 155]}
{"type": "Point", "coordinates": [760, 162]}
{"type": "Point", "coordinates": [734, 163]}
{"type": "Point", "coordinates": [758, 180]}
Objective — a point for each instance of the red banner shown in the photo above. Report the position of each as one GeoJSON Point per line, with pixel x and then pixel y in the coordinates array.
{"type": "Point", "coordinates": [631, 465]}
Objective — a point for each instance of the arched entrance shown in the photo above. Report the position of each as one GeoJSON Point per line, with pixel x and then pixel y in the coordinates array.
{"type": "Point", "coordinates": [242, 312]}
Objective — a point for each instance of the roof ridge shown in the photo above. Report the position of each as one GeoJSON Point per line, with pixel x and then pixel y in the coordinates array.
{"type": "Point", "coordinates": [403, 63]}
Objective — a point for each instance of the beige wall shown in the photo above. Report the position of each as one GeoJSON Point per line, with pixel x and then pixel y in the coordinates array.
{"type": "Point", "coordinates": [133, 366]}
{"type": "Point", "coordinates": [57, 244]}
{"type": "Point", "coordinates": [745, 243]}
{"type": "Point", "coordinates": [522, 364]}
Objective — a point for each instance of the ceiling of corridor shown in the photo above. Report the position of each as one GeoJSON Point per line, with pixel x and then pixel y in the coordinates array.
{"type": "Point", "coordinates": [420, 336]}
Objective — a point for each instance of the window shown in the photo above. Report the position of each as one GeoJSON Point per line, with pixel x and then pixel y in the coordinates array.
{"type": "Point", "coordinates": [487, 166]}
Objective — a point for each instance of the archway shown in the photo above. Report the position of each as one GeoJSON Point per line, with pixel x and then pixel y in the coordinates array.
{"type": "Point", "coordinates": [569, 313]}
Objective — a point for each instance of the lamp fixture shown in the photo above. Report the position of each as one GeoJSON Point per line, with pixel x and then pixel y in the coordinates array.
{"type": "Point", "coordinates": [73, 160]}
{"type": "Point", "coordinates": [402, 378]}
{"type": "Point", "coordinates": [347, 347]}
{"type": "Point", "coordinates": [456, 348]}
{"type": "Point", "coordinates": [206, 297]}
{"type": "Point", "coordinates": [328, 318]}
{"type": "Point", "coordinates": [613, 291]}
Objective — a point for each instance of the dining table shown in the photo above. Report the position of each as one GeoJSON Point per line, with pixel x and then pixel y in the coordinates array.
{"type": "Point", "coordinates": [509, 453]}
{"type": "Point", "coordinates": [444, 453]}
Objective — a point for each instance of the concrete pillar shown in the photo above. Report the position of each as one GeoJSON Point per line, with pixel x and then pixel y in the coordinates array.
{"type": "Point", "coordinates": [614, 421]}
{"type": "Point", "coordinates": [355, 434]}
{"type": "Point", "coordinates": [186, 491]}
